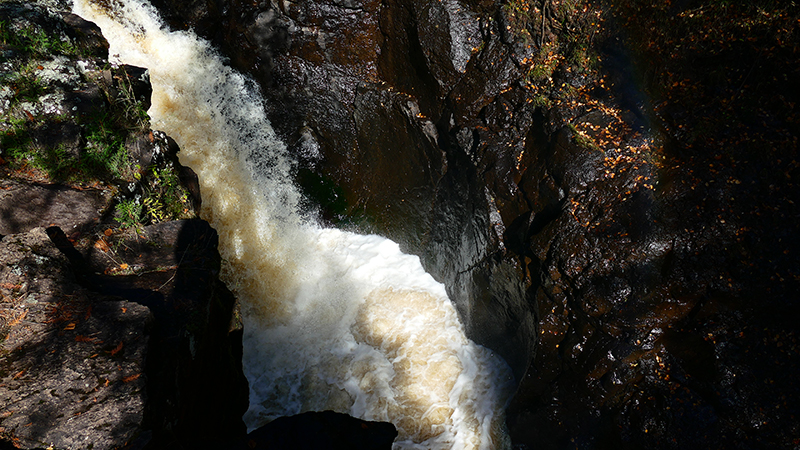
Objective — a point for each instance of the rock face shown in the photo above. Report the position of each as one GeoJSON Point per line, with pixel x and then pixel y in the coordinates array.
{"type": "Point", "coordinates": [647, 253]}
{"type": "Point", "coordinates": [49, 205]}
{"type": "Point", "coordinates": [72, 361]}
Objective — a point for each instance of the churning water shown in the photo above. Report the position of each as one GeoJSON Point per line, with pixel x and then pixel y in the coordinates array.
{"type": "Point", "coordinates": [333, 320]}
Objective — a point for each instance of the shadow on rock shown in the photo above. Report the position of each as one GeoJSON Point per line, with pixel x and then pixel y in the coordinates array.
{"type": "Point", "coordinates": [321, 431]}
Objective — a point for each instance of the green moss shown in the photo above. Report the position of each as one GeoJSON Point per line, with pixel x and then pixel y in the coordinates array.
{"type": "Point", "coordinates": [542, 101]}
{"type": "Point", "coordinates": [582, 139]}
{"type": "Point", "coordinates": [544, 64]}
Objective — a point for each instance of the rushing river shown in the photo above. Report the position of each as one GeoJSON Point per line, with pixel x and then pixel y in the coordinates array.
{"type": "Point", "coordinates": [333, 320]}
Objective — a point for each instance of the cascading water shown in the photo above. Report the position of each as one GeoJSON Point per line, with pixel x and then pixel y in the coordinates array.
{"type": "Point", "coordinates": [333, 320]}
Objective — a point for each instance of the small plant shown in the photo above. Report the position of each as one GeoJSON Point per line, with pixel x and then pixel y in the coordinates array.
{"type": "Point", "coordinates": [14, 135]}
{"type": "Point", "coordinates": [24, 84]}
{"type": "Point", "coordinates": [129, 213]}
{"type": "Point", "coordinates": [105, 154]}
{"type": "Point", "coordinates": [582, 139]}
{"type": "Point", "coordinates": [132, 108]}
{"type": "Point", "coordinates": [27, 86]}
{"type": "Point", "coordinates": [166, 198]}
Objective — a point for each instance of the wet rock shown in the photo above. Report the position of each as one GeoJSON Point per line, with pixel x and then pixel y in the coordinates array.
{"type": "Point", "coordinates": [72, 362]}
{"type": "Point", "coordinates": [407, 162]}
{"type": "Point", "coordinates": [489, 73]}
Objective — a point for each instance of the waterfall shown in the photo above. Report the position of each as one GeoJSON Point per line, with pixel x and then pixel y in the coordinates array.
{"type": "Point", "coordinates": [333, 320]}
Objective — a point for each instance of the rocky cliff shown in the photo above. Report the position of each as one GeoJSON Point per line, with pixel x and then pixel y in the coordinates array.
{"type": "Point", "coordinates": [607, 191]}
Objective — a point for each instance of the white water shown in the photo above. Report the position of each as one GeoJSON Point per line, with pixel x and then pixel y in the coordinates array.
{"type": "Point", "coordinates": [333, 320]}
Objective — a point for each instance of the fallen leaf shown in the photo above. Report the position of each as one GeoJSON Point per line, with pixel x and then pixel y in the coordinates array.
{"type": "Point", "coordinates": [69, 327]}
{"type": "Point", "coordinates": [108, 232]}
{"type": "Point", "coordinates": [102, 245]}
{"type": "Point", "coordinates": [130, 378]}
{"type": "Point", "coordinates": [116, 349]}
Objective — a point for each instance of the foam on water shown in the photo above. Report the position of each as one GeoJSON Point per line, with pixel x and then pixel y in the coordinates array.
{"type": "Point", "coordinates": [333, 320]}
